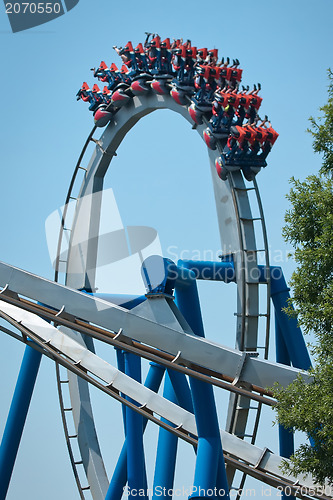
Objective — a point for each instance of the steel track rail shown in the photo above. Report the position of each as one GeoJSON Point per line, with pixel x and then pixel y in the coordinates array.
{"type": "Point", "coordinates": [238, 411]}
{"type": "Point", "coordinates": [69, 196]}
{"type": "Point", "coordinates": [245, 324]}
{"type": "Point", "coordinates": [267, 283]}
{"type": "Point", "coordinates": [267, 314]}
{"type": "Point", "coordinates": [111, 317]}
{"type": "Point", "coordinates": [254, 471]}
{"type": "Point", "coordinates": [239, 419]}
{"type": "Point", "coordinates": [106, 315]}
{"type": "Point", "coordinates": [210, 376]}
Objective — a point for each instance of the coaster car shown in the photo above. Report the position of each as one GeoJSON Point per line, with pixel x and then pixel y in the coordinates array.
{"type": "Point", "coordinates": [179, 96]}
{"type": "Point", "coordinates": [160, 86]}
{"type": "Point", "coordinates": [195, 114]}
{"type": "Point", "coordinates": [140, 86]}
{"type": "Point", "coordinates": [102, 116]}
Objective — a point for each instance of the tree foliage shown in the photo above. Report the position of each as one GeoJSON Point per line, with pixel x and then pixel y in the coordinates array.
{"type": "Point", "coordinates": [309, 228]}
{"type": "Point", "coordinates": [322, 130]}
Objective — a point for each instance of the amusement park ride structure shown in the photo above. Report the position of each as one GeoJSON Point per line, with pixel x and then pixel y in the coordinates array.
{"type": "Point", "coordinates": [63, 319]}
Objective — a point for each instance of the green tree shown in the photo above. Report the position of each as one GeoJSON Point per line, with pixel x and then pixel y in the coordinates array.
{"type": "Point", "coordinates": [322, 130]}
{"type": "Point", "coordinates": [309, 228]}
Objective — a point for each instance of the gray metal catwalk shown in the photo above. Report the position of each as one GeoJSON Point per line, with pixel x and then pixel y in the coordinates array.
{"type": "Point", "coordinates": [255, 461]}
{"type": "Point", "coordinates": [237, 230]}
{"type": "Point", "coordinates": [140, 324]}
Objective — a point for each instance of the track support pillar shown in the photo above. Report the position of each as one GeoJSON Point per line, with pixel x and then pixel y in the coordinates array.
{"type": "Point", "coordinates": [17, 416]}
{"type": "Point", "coordinates": [209, 440]}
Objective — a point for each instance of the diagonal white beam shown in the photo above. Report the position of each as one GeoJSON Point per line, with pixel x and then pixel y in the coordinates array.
{"type": "Point", "coordinates": [143, 328]}
{"type": "Point", "coordinates": [77, 353]}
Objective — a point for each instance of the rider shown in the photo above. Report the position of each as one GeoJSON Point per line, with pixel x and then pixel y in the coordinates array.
{"type": "Point", "coordinates": [237, 144]}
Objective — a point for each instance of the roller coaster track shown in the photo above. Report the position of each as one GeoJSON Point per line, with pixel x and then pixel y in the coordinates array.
{"type": "Point", "coordinates": [258, 463]}
{"type": "Point", "coordinates": [245, 375]}
{"type": "Point", "coordinates": [244, 248]}
{"type": "Point", "coordinates": [239, 407]}
{"type": "Point", "coordinates": [62, 382]}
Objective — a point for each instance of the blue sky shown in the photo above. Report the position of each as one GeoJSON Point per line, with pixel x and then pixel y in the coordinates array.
{"type": "Point", "coordinates": [160, 177]}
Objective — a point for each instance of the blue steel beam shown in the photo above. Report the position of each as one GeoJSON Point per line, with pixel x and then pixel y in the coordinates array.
{"type": "Point", "coordinates": [188, 302]}
{"type": "Point", "coordinates": [182, 390]}
{"type": "Point", "coordinates": [166, 452]}
{"type": "Point", "coordinates": [292, 334]}
{"type": "Point", "coordinates": [17, 416]}
{"type": "Point", "coordinates": [288, 326]}
{"type": "Point", "coordinates": [207, 270]}
{"type": "Point", "coordinates": [119, 477]}
{"type": "Point", "coordinates": [286, 436]}
{"type": "Point", "coordinates": [121, 367]}
{"type": "Point", "coordinates": [136, 472]}
{"type": "Point", "coordinates": [209, 441]}
{"type": "Point", "coordinates": [290, 344]}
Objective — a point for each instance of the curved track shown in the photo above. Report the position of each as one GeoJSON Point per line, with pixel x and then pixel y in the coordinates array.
{"type": "Point", "coordinates": [79, 319]}
{"type": "Point", "coordinates": [238, 228]}
{"type": "Point", "coordinates": [21, 313]}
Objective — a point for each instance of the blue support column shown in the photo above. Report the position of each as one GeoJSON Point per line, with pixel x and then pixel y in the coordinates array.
{"type": "Point", "coordinates": [221, 479]}
{"type": "Point", "coordinates": [290, 331]}
{"type": "Point", "coordinates": [119, 477]}
{"type": "Point", "coordinates": [17, 416]}
{"type": "Point", "coordinates": [181, 389]}
{"type": "Point", "coordinates": [136, 472]}
{"type": "Point", "coordinates": [286, 437]}
{"type": "Point", "coordinates": [290, 346]}
{"type": "Point", "coordinates": [183, 394]}
{"type": "Point", "coordinates": [209, 270]}
{"type": "Point", "coordinates": [166, 452]}
{"type": "Point", "coordinates": [209, 441]}
{"type": "Point", "coordinates": [121, 367]}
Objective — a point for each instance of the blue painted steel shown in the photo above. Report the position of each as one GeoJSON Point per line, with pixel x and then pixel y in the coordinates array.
{"type": "Point", "coordinates": [221, 479]}
{"type": "Point", "coordinates": [286, 436]}
{"type": "Point", "coordinates": [136, 473]}
{"type": "Point", "coordinates": [127, 301]}
{"type": "Point", "coordinates": [17, 416]}
{"type": "Point", "coordinates": [181, 389]}
{"type": "Point", "coordinates": [119, 477]}
{"type": "Point", "coordinates": [209, 440]}
{"type": "Point", "coordinates": [291, 333]}
{"type": "Point", "coordinates": [224, 271]}
{"type": "Point", "coordinates": [159, 274]}
{"type": "Point", "coordinates": [121, 367]}
{"type": "Point", "coordinates": [209, 472]}
{"type": "Point", "coordinates": [166, 452]}
{"type": "Point", "coordinates": [123, 300]}
{"type": "Point", "coordinates": [206, 270]}
{"type": "Point", "coordinates": [154, 378]}
{"type": "Point", "coordinates": [187, 299]}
